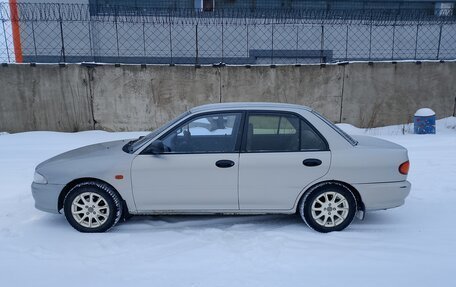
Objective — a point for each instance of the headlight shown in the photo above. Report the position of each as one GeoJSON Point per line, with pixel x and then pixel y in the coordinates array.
{"type": "Point", "coordinates": [38, 178]}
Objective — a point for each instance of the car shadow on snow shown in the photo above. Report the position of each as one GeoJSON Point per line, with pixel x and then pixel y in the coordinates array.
{"type": "Point", "coordinates": [238, 222]}
{"type": "Point", "coordinates": [377, 218]}
{"type": "Point", "coordinates": [172, 222]}
{"type": "Point", "coordinates": [150, 223]}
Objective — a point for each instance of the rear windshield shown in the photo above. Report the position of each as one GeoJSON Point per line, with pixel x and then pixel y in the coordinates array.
{"type": "Point", "coordinates": [346, 136]}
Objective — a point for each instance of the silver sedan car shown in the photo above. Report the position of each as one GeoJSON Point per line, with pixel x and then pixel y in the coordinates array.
{"type": "Point", "coordinates": [233, 158]}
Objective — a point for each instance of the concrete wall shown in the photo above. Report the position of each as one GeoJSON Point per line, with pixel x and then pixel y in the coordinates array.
{"type": "Point", "coordinates": [75, 97]}
{"type": "Point", "coordinates": [386, 93]}
{"type": "Point", "coordinates": [134, 98]}
{"type": "Point", "coordinates": [319, 88]}
{"type": "Point", "coordinates": [44, 97]}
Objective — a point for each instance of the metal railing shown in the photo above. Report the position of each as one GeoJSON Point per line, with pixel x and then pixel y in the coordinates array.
{"type": "Point", "coordinates": [143, 35]}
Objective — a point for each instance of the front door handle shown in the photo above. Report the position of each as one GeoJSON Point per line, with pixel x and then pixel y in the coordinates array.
{"type": "Point", "coordinates": [311, 162]}
{"type": "Point", "coordinates": [224, 163]}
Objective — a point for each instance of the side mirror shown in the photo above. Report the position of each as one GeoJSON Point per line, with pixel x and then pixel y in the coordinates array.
{"type": "Point", "coordinates": [156, 147]}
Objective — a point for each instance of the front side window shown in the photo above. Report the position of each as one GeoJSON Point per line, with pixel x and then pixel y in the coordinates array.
{"type": "Point", "coordinates": [205, 134]}
{"type": "Point", "coordinates": [133, 146]}
{"type": "Point", "coordinates": [281, 133]}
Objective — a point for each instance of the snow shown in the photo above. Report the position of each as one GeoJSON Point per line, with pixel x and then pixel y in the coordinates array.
{"type": "Point", "coordinates": [414, 245]}
{"type": "Point", "coordinates": [424, 112]}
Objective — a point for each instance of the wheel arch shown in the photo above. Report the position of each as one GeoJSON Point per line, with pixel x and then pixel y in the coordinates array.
{"type": "Point", "coordinates": [351, 188]}
{"type": "Point", "coordinates": [77, 181]}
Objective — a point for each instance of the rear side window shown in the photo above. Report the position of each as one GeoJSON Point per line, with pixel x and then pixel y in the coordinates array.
{"type": "Point", "coordinates": [281, 133]}
{"type": "Point", "coordinates": [310, 140]}
{"type": "Point", "coordinates": [272, 133]}
{"type": "Point", "coordinates": [346, 136]}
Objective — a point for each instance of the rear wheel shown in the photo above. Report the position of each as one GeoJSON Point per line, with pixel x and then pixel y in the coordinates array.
{"type": "Point", "coordinates": [92, 207]}
{"type": "Point", "coordinates": [329, 207]}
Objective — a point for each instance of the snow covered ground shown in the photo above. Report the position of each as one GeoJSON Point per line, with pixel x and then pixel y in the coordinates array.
{"type": "Point", "coordinates": [414, 245]}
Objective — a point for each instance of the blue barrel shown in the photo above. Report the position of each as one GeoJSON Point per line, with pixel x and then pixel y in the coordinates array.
{"type": "Point", "coordinates": [424, 122]}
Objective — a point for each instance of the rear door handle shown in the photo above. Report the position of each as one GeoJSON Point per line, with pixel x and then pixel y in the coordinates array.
{"type": "Point", "coordinates": [224, 163]}
{"type": "Point", "coordinates": [311, 162]}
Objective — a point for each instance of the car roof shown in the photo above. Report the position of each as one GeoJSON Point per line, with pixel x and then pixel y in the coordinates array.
{"type": "Point", "coordinates": [247, 106]}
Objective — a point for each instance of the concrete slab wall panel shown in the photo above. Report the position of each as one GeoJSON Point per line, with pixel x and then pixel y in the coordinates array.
{"type": "Point", "coordinates": [134, 97]}
{"type": "Point", "coordinates": [45, 97]}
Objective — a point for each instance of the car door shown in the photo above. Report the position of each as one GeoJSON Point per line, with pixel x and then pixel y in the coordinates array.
{"type": "Point", "coordinates": [198, 169]}
{"type": "Point", "coordinates": [281, 154]}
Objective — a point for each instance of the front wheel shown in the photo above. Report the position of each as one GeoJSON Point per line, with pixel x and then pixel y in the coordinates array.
{"type": "Point", "coordinates": [327, 208]}
{"type": "Point", "coordinates": [92, 207]}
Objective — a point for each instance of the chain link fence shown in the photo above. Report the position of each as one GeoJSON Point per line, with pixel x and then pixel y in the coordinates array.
{"type": "Point", "coordinates": [51, 33]}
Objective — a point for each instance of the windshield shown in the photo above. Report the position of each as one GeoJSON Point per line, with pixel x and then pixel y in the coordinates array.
{"type": "Point", "coordinates": [337, 129]}
{"type": "Point", "coordinates": [135, 145]}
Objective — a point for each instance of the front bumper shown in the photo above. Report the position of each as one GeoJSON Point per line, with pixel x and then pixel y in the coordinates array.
{"type": "Point", "coordinates": [46, 196]}
{"type": "Point", "coordinates": [378, 196]}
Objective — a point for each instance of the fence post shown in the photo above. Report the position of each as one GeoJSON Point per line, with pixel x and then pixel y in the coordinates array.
{"type": "Point", "coordinates": [322, 43]}
{"type": "Point", "coordinates": [272, 42]}
{"type": "Point", "coordinates": [6, 41]}
{"type": "Point", "coordinates": [248, 51]}
{"type": "Point", "coordinates": [170, 42]}
{"type": "Point", "coordinates": [416, 39]}
{"type": "Point", "coordinates": [223, 55]}
{"type": "Point", "coordinates": [196, 44]}
{"type": "Point", "coordinates": [15, 29]}
{"type": "Point", "coordinates": [346, 44]}
{"type": "Point", "coordinates": [440, 41]}
{"type": "Point", "coordinates": [371, 20]}
{"type": "Point", "coordinates": [297, 42]}
{"type": "Point", "coordinates": [61, 35]}
{"type": "Point", "coordinates": [117, 34]}
{"type": "Point", "coordinates": [394, 37]}
{"type": "Point", "coordinates": [92, 53]}
{"type": "Point", "coordinates": [144, 40]}
{"type": "Point", "coordinates": [370, 40]}
{"type": "Point", "coordinates": [34, 40]}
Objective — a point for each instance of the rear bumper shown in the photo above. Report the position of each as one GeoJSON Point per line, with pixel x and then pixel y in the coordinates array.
{"type": "Point", "coordinates": [378, 196]}
{"type": "Point", "coordinates": [46, 196]}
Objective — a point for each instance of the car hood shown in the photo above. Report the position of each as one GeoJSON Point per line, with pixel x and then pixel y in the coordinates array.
{"type": "Point", "coordinates": [90, 151]}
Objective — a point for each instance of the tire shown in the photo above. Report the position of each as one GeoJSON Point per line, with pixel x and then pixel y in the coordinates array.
{"type": "Point", "coordinates": [92, 207]}
{"type": "Point", "coordinates": [328, 207]}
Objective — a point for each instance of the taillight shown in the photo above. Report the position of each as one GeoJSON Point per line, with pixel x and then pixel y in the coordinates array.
{"type": "Point", "coordinates": [404, 168]}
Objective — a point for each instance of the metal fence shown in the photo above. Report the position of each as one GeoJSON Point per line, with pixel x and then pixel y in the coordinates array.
{"type": "Point", "coordinates": [94, 33]}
